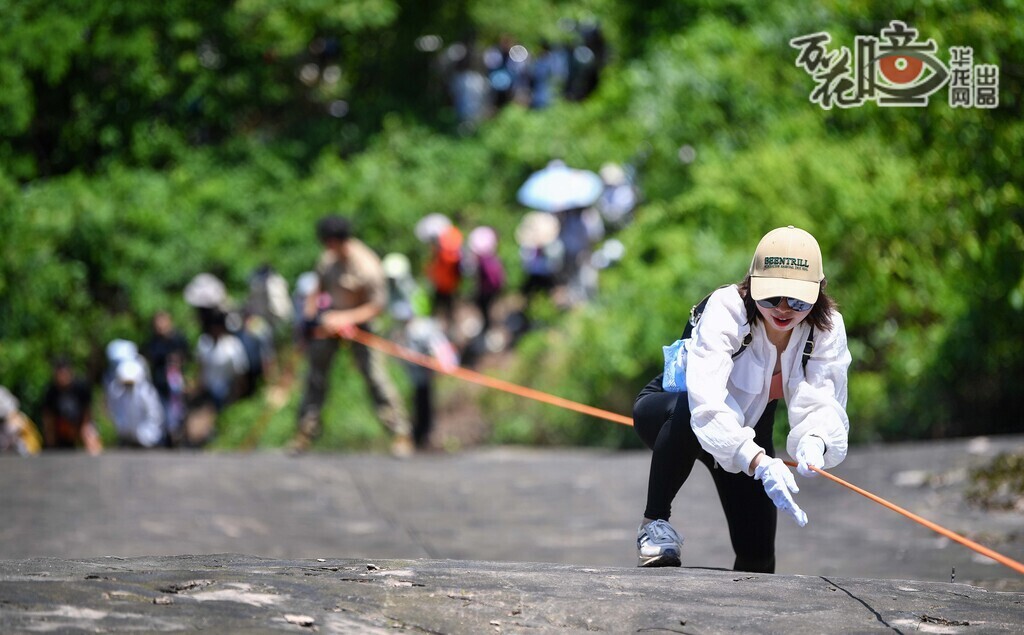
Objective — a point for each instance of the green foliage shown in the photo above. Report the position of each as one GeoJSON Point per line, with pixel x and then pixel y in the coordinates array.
{"type": "Point", "coordinates": [88, 83]}
{"type": "Point", "coordinates": [143, 143]}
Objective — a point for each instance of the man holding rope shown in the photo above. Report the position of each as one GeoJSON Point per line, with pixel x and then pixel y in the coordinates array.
{"type": "Point", "coordinates": [351, 292]}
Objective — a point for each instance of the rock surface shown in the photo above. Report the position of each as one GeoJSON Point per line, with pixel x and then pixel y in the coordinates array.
{"type": "Point", "coordinates": [246, 594]}
{"type": "Point", "coordinates": [455, 543]}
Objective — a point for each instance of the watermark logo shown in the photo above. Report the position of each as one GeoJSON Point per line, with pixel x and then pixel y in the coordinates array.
{"type": "Point", "coordinates": [895, 69]}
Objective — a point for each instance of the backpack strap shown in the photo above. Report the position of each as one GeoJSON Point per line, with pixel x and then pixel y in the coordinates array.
{"type": "Point", "coordinates": [744, 344]}
{"type": "Point", "coordinates": [697, 310]}
{"type": "Point", "coordinates": [808, 348]}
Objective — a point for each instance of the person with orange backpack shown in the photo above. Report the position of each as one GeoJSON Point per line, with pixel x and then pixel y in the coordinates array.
{"type": "Point", "coordinates": [444, 271]}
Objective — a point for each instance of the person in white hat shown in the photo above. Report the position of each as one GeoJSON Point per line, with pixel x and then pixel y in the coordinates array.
{"type": "Point", "coordinates": [119, 350]}
{"type": "Point", "coordinates": [775, 335]}
{"type": "Point", "coordinates": [135, 407]}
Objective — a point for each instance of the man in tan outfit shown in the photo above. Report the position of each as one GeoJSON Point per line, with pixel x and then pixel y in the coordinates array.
{"type": "Point", "coordinates": [352, 291]}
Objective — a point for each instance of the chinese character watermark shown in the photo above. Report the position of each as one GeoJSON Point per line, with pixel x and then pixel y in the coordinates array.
{"type": "Point", "coordinates": [895, 69]}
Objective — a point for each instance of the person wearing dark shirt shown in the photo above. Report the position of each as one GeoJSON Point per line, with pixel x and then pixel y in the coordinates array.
{"type": "Point", "coordinates": [167, 351]}
{"type": "Point", "coordinates": [67, 412]}
{"type": "Point", "coordinates": [164, 342]}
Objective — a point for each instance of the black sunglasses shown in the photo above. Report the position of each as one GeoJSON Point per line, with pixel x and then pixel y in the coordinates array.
{"type": "Point", "coordinates": [797, 305]}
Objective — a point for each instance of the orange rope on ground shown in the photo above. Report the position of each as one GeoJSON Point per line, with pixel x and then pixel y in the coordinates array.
{"type": "Point", "coordinates": [970, 544]}
{"type": "Point", "coordinates": [390, 348]}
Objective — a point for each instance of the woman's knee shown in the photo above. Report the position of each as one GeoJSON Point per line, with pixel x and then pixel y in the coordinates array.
{"type": "Point", "coordinates": [651, 412]}
{"type": "Point", "coordinates": [646, 427]}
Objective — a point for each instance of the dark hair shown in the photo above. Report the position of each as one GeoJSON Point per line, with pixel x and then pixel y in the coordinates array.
{"type": "Point", "coordinates": [333, 226]}
{"type": "Point", "coordinates": [820, 316]}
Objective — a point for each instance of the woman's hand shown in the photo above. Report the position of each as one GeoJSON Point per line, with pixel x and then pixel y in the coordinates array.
{"type": "Point", "coordinates": [780, 486]}
{"type": "Point", "coordinates": [810, 452]}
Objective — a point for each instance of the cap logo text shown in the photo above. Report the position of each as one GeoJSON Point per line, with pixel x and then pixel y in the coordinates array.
{"type": "Point", "coordinates": [771, 262]}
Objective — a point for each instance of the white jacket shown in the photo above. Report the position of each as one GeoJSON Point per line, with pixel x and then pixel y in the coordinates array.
{"type": "Point", "coordinates": [137, 413]}
{"type": "Point", "coordinates": [727, 396]}
{"type": "Point", "coordinates": [221, 361]}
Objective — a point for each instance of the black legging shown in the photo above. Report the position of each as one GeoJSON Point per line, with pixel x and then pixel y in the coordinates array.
{"type": "Point", "coordinates": [662, 420]}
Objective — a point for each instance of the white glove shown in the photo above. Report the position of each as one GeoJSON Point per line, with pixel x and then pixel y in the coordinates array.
{"type": "Point", "coordinates": [780, 486]}
{"type": "Point", "coordinates": [810, 452]}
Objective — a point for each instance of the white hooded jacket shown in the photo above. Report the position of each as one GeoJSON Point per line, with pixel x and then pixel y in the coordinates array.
{"type": "Point", "coordinates": [727, 396]}
{"type": "Point", "coordinates": [136, 411]}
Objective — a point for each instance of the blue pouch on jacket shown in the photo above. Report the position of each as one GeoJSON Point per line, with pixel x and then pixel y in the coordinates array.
{"type": "Point", "coordinates": [674, 379]}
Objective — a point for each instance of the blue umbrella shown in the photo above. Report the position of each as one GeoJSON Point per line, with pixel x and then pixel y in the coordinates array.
{"type": "Point", "coordinates": [558, 187]}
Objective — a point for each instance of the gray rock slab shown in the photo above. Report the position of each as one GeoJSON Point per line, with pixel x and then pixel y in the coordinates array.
{"type": "Point", "coordinates": [237, 593]}
{"type": "Point", "coordinates": [504, 504]}
{"type": "Point", "coordinates": [96, 544]}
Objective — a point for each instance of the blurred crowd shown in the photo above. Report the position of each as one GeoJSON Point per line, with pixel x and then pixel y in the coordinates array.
{"type": "Point", "coordinates": [481, 79]}
{"type": "Point", "coordinates": [150, 391]}
{"type": "Point", "coordinates": [167, 391]}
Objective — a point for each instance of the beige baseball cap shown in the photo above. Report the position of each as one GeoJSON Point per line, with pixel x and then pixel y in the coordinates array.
{"type": "Point", "coordinates": [787, 262]}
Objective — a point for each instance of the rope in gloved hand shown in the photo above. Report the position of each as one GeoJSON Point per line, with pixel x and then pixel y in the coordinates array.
{"type": "Point", "coordinates": [390, 348]}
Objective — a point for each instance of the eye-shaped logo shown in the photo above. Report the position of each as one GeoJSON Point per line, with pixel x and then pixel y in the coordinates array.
{"type": "Point", "coordinates": [900, 69]}
{"type": "Point", "coordinates": [908, 73]}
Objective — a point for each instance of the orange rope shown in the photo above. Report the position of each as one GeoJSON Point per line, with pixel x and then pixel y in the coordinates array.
{"type": "Point", "coordinates": [970, 544]}
{"type": "Point", "coordinates": [389, 347]}
{"type": "Point", "coordinates": [395, 350]}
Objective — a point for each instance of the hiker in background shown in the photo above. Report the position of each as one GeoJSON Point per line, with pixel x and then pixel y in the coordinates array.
{"type": "Point", "coordinates": [485, 267]}
{"type": "Point", "coordinates": [775, 335]}
{"type": "Point", "coordinates": [135, 408]}
{"type": "Point", "coordinates": [620, 196]}
{"type": "Point", "coordinates": [257, 339]}
{"type": "Point", "coordinates": [167, 351]}
{"type": "Point", "coordinates": [223, 362]}
{"type": "Point", "coordinates": [468, 88]}
{"type": "Point", "coordinates": [351, 292]}
{"type": "Point", "coordinates": [207, 294]}
{"type": "Point", "coordinates": [444, 271]}
{"type": "Point", "coordinates": [421, 333]}
{"type": "Point", "coordinates": [119, 350]}
{"type": "Point", "coordinates": [306, 284]}
{"type": "Point", "coordinates": [405, 295]}
{"type": "Point", "coordinates": [269, 300]}
{"type": "Point", "coordinates": [269, 318]}
{"type": "Point", "coordinates": [541, 253]}
{"type": "Point", "coordinates": [548, 71]}
{"type": "Point", "coordinates": [67, 412]}
{"type": "Point", "coordinates": [490, 273]}
{"type": "Point", "coordinates": [579, 229]}
{"type": "Point", "coordinates": [18, 433]}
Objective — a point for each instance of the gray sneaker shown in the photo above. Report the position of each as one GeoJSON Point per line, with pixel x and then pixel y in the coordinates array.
{"type": "Point", "coordinates": [658, 545]}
